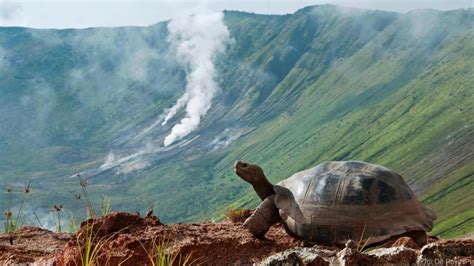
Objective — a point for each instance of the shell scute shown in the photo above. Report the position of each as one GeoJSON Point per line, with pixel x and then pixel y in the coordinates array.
{"type": "Point", "coordinates": [359, 191]}
{"type": "Point", "coordinates": [387, 193]}
{"type": "Point", "coordinates": [323, 189]}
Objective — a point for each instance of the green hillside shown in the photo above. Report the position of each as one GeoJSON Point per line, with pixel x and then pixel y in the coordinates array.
{"type": "Point", "coordinates": [320, 84]}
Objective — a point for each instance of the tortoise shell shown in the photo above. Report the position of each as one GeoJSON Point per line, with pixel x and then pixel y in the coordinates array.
{"type": "Point", "coordinates": [336, 201]}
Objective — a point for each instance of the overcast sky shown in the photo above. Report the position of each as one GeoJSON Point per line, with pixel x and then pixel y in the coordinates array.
{"type": "Point", "coordinates": [81, 14]}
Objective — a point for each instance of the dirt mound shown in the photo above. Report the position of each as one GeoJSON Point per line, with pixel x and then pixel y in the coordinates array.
{"type": "Point", "coordinates": [127, 239]}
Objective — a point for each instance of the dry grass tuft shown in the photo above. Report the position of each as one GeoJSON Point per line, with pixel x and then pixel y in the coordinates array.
{"type": "Point", "coordinates": [238, 215]}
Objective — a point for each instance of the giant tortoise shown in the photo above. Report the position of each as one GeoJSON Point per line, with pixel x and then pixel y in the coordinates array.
{"type": "Point", "coordinates": [337, 201]}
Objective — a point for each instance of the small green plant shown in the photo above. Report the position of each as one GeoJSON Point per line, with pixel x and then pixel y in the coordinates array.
{"type": "Point", "coordinates": [160, 254]}
{"type": "Point", "coordinates": [40, 224]}
{"type": "Point", "coordinates": [89, 244]}
{"type": "Point", "coordinates": [9, 225]}
{"type": "Point", "coordinates": [13, 222]}
{"type": "Point", "coordinates": [72, 224]}
{"type": "Point", "coordinates": [105, 205]}
{"type": "Point", "coordinates": [88, 248]}
{"type": "Point", "coordinates": [84, 183]}
{"type": "Point", "coordinates": [56, 213]}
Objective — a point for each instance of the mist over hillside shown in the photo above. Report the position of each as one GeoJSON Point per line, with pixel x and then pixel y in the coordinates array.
{"type": "Point", "coordinates": [324, 83]}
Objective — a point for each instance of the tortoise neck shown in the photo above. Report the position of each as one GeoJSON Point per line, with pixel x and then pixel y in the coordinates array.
{"type": "Point", "coordinates": [263, 188]}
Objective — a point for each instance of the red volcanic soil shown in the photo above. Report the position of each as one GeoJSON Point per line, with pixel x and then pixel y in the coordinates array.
{"type": "Point", "coordinates": [127, 239]}
{"type": "Point", "coordinates": [126, 235]}
{"type": "Point", "coordinates": [31, 245]}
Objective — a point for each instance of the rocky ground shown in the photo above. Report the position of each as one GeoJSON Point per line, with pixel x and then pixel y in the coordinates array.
{"type": "Point", "coordinates": [127, 239]}
{"type": "Point", "coordinates": [31, 246]}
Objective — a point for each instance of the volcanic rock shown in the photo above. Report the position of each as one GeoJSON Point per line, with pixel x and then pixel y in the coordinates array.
{"type": "Point", "coordinates": [405, 242]}
{"type": "Point", "coordinates": [31, 246]}
{"type": "Point", "coordinates": [126, 239]}
{"type": "Point", "coordinates": [448, 252]}
{"type": "Point", "coordinates": [394, 256]}
{"type": "Point", "coordinates": [303, 256]}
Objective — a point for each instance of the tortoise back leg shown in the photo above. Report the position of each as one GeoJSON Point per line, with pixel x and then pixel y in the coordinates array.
{"type": "Point", "coordinates": [263, 217]}
{"type": "Point", "coordinates": [420, 237]}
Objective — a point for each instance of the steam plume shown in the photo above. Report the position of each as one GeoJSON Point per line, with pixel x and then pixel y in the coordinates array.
{"type": "Point", "coordinates": [196, 40]}
{"type": "Point", "coordinates": [170, 113]}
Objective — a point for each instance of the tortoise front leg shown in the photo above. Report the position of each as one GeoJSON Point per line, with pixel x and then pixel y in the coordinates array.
{"type": "Point", "coordinates": [263, 217]}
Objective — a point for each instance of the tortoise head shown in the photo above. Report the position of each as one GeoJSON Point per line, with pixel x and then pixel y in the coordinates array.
{"type": "Point", "coordinates": [251, 173]}
{"type": "Point", "coordinates": [254, 175]}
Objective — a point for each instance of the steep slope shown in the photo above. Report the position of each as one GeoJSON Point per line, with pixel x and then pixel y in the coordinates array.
{"type": "Point", "coordinates": [321, 84]}
{"type": "Point", "coordinates": [406, 104]}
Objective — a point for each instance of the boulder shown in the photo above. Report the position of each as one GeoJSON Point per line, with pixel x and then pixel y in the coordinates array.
{"type": "Point", "coordinates": [394, 255]}
{"type": "Point", "coordinates": [302, 256]}
{"type": "Point", "coordinates": [448, 252]}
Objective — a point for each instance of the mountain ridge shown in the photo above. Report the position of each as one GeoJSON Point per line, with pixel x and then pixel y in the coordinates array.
{"type": "Point", "coordinates": [319, 84]}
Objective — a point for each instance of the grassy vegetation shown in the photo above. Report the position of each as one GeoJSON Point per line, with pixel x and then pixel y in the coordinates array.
{"type": "Point", "coordinates": [344, 116]}
{"type": "Point", "coordinates": [317, 85]}
{"type": "Point", "coordinates": [15, 219]}
{"type": "Point", "coordinates": [160, 254]}
{"type": "Point", "coordinates": [237, 215]}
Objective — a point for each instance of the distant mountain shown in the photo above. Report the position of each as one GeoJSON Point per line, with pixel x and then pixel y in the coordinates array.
{"type": "Point", "coordinates": [324, 83]}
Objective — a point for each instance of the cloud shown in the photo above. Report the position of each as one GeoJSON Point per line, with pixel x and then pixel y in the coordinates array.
{"type": "Point", "coordinates": [196, 39]}
{"type": "Point", "coordinates": [9, 11]}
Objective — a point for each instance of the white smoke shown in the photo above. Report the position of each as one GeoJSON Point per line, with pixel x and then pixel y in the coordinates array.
{"type": "Point", "coordinates": [227, 136]}
{"type": "Point", "coordinates": [196, 39]}
{"type": "Point", "coordinates": [171, 112]}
